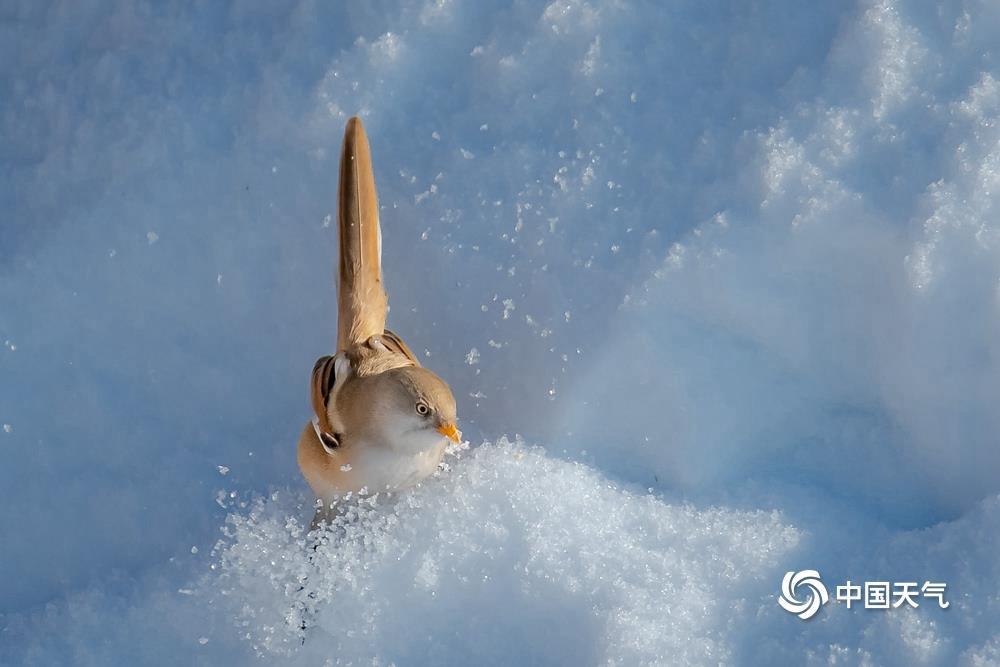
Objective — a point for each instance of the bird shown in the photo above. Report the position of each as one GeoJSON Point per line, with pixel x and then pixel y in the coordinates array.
{"type": "Point", "coordinates": [381, 421]}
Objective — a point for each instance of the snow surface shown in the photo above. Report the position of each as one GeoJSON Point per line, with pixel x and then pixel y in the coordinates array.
{"type": "Point", "coordinates": [736, 266]}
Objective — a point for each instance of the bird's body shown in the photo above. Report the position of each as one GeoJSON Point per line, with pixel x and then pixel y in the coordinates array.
{"type": "Point", "coordinates": [382, 421]}
{"type": "Point", "coordinates": [371, 466]}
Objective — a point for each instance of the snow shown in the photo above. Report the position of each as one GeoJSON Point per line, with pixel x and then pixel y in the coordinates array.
{"type": "Point", "coordinates": [774, 225]}
{"type": "Point", "coordinates": [459, 569]}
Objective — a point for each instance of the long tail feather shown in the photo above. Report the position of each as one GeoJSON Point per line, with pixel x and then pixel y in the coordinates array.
{"type": "Point", "coordinates": [361, 298]}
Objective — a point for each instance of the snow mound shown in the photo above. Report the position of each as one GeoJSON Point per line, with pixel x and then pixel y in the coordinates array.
{"type": "Point", "coordinates": [843, 306]}
{"type": "Point", "coordinates": [515, 557]}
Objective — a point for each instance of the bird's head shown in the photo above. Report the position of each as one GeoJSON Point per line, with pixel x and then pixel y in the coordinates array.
{"type": "Point", "coordinates": [417, 406]}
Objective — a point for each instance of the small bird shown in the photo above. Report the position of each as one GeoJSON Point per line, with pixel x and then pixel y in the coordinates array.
{"type": "Point", "coordinates": [381, 421]}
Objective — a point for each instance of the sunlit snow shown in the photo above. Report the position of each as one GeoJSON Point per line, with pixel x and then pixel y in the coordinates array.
{"type": "Point", "coordinates": [717, 286]}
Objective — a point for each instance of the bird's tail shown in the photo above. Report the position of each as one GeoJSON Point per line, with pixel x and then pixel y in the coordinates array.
{"type": "Point", "coordinates": [361, 299]}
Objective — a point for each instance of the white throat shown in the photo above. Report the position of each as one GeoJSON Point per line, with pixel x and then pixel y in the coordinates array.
{"type": "Point", "coordinates": [401, 463]}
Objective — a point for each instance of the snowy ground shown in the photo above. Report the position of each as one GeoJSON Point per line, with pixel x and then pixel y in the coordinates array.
{"type": "Point", "coordinates": [732, 270]}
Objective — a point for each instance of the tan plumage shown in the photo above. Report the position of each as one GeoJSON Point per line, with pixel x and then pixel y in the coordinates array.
{"type": "Point", "coordinates": [361, 299]}
{"type": "Point", "coordinates": [381, 420]}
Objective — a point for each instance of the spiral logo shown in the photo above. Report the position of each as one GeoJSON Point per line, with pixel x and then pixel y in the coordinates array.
{"type": "Point", "coordinates": [817, 595]}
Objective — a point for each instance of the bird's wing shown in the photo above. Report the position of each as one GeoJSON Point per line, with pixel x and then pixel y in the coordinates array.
{"type": "Point", "coordinates": [396, 344]}
{"type": "Point", "coordinates": [362, 302]}
{"type": "Point", "coordinates": [323, 378]}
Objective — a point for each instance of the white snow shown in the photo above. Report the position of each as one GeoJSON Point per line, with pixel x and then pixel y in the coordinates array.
{"type": "Point", "coordinates": [512, 548]}
{"type": "Point", "coordinates": [775, 225]}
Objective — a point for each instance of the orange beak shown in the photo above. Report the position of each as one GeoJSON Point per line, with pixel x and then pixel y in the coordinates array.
{"type": "Point", "coordinates": [451, 432]}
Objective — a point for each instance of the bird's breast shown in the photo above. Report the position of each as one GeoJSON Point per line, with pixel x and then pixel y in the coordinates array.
{"type": "Point", "coordinates": [397, 466]}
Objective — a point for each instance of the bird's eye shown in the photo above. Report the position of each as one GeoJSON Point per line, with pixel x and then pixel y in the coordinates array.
{"type": "Point", "coordinates": [423, 408]}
